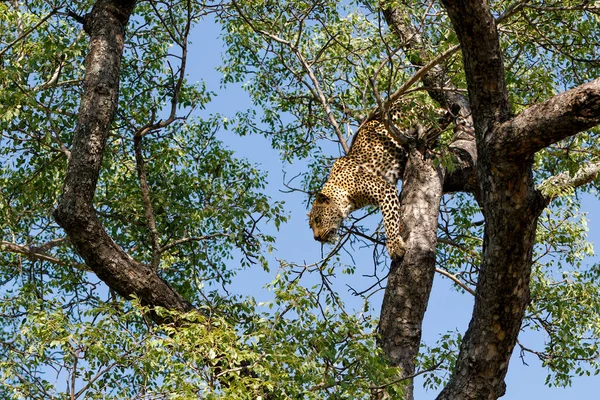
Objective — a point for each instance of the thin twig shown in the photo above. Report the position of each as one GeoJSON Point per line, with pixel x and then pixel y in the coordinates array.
{"type": "Point", "coordinates": [420, 73]}
{"type": "Point", "coordinates": [309, 71]}
{"type": "Point", "coordinates": [38, 253]}
{"type": "Point", "coordinates": [28, 31]}
{"type": "Point", "coordinates": [192, 239]}
{"type": "Point", "coordinates": [404, 378]}
{"type": "Point", "coordinates": [183, 43]}
{"type": "Point", "coordinates": [455, 280]}
{"type": "Point", "coordinates": [414, 78]}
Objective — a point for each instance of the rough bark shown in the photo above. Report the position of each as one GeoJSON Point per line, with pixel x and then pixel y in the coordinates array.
{"type": "Point", "coordinates": [484, 69]}
{"type": "Point", "coordinates": [546, 123]}
{"type": "Point", "coordinates": [511, 206]}
{"type": "Point", "coordinates": [557, 184]}
{"type": "Point", "coordinates": [510, 201]}
{"type": "Point", "coordinates": [436, 80]}
{"type": "Point", "coordinates": [497, 168]}
{"type": "Point", "coordinates": [410, 280]}
{"type": "Point", "coordinates": [75, 212]}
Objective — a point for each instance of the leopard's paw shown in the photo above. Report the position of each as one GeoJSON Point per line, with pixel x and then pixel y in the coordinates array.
{"type": "Point", "coordinates": [397, 249]}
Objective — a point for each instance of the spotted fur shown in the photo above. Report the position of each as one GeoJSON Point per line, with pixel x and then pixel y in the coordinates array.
{"type": "Point", "coordinates": [367, 175]}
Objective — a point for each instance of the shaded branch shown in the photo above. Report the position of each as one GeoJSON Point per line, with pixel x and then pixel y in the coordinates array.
{"type": "Point", "coordinates": [582, 7]}
{"type": "Point", "coordinates": [39, 252]}
{"type": "Point", "coordinates": [441, 89]}
{"type": "Point", "coordinates": [183, 43]}
{"type": "Point", "coordinates": [148, 211]}
{"type": "Point", "coordinates": [382, 112]}
{"type": "Point", "coordinates": [412, 376]}
{"type": "Point", "coordinates": [192, 239]}
{"type": "Point", "coordinates": [435, 79]}
{"type": "Point", "coordinates": [554, 186]}
{"type": "Point", "coordinates": [51, 244]}
{"type": "Point", "coordinates": [30, 252]}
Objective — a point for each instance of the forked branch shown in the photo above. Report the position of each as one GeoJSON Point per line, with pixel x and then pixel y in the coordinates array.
{"type": "Point", "coordinates": [75, 212]}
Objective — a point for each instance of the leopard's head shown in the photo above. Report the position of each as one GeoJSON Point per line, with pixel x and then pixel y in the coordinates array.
{"type": "Point", "coordinates": [325, 219]}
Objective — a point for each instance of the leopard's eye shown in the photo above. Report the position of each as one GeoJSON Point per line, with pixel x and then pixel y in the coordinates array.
{"type": "Point", "coordinates": [317, 220]}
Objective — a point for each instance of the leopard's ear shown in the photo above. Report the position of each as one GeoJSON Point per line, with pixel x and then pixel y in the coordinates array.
{"type": "Point", "coordinates": [321, 198]}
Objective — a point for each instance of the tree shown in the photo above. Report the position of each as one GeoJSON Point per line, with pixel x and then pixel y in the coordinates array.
{"type": "Point", "coordinates": [515, 154]}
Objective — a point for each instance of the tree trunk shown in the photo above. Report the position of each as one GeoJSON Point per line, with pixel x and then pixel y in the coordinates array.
{"type": "Point", "coordinates": [409, 282]}
{"type": "Point", "coordinates": [503, 185]}
{"type": "Point", "coordinates": [75, 212]}
{"type": "Point", "coordinates": [511, 209]}
{"type": "Point", "coordinates": [511, 206]}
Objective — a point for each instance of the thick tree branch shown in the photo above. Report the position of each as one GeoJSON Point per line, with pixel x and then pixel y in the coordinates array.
{"type": "Point", "coordinates": [440, 88]}
{"type": "Point", "coordinates": [435, 78]}
{"type": "Point", "coordinates": [75, 213]}
{"type": "Point", "coordinates": [484, 69]}
{"type": "Point", "coordinates": [542, 124]}
{"type": "Point", "coordinates": [409, 282]}
{"type": "Point", "coordinates": [510, 204]}
{"type": "Point", "coordinates": [503, 287]}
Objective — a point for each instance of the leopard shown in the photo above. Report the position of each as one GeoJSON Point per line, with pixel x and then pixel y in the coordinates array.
{"type": "Point", "coordinates": [366, 176]}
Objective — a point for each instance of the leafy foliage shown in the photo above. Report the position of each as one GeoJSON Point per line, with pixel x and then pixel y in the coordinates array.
{"type": "Point", "coordinates": [314, 71]}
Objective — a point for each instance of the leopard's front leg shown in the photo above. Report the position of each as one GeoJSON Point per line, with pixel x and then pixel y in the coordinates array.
{"type": "Point", "coordinates": [390, 208]}
{"type": "Point", "coordinates": [385, 195]}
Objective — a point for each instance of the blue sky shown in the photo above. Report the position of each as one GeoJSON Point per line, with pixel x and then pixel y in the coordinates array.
{"type": "Point", "coordinates": [448, 310]}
